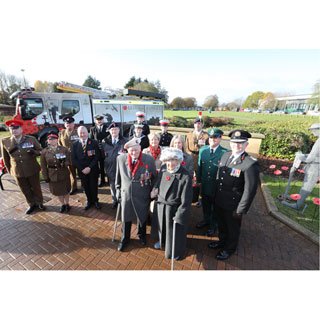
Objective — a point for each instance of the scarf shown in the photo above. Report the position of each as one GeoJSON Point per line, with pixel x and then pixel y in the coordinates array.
{"type": "Point", "coordinates": [136, 166]}
{"type": "Point", "coordinates": [155, 152]}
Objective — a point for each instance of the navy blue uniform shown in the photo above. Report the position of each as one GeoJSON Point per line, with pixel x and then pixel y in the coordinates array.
{"type": "Point", "coordinates": [89, 158]}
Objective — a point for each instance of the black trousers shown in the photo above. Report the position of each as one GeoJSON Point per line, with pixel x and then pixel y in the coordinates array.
{"type": "Point", "coordinates": [229, 229]}
{"type": "Point", "coordinates": [101, 169]}
{"type": "Point", "coordinates": [90, 185]}
{"type": "Point", "coordinates": [126, 230]}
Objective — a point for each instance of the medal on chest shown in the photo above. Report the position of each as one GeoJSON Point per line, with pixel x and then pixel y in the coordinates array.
{"type": "Point", "coordinates": [235, 172]}
{"type": "Point", "coordinates": [91, 153]}
{"type": "Point", "coordinates": [27, 145]}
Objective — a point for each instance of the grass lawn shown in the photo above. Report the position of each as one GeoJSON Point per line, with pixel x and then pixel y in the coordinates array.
{"type": "Point", "coordinates": [240, 117]}
{"type": "Point", "coordinates": [4, 134]}
{"type": "Point", "coordinates": [310, 218]}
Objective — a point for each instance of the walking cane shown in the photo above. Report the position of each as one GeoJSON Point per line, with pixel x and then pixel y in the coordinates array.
{"type": "Point", "coordinates": [173, 243]}
{"type": "Point", "coordinates": [116, 222]}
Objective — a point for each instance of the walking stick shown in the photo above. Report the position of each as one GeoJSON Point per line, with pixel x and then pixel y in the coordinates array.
{"type": "Point", "coordinates": [173, 243]}
{"type": "Point", "coordinates": [116, 221]}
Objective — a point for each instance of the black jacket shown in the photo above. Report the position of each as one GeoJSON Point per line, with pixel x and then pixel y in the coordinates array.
{"type": "Point", "coordinates": [236, 183]}
{"type": "Point", "coordinates": [88, 159]}
{"type": "Point", "coordinates": [99, 135]}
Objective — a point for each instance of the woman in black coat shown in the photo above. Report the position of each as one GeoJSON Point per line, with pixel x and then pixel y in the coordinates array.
{"type": "Point", "coordinates": [173, 190]}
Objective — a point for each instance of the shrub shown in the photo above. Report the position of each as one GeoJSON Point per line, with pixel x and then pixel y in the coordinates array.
{"type": "Point", "coordinates": [181, 122]}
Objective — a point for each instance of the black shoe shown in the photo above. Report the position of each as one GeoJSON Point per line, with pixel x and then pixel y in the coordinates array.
{"type": "Point", "coordinates": [41, 207]}
{"type": "Point", "coordinates": [88, 205]}
{"type": "Point", "coordinates": [97, 204]}
{"type": "Point", "coordinates": [63, 208]}
{"type": "Point", "coordinates": [177, 258]}
{"type": "Point", "coordinates": [67, 207]}
{"type": "Point", "coordinates": [210, 233]}
{"type": "Point", "coordinates": [30, 209]}
{"type": "Point", "coordinates": [121, 246]}
{"type": "Point", "coordinates": [223, 255]}
{"type": "Point", "coordinates": [114, 205]}
{"type": "Point", "coordinates": [215, 245]}
{"type": "Point", "coordinates": [201, 225]}
{"type": "Point", "coordinates": [73, 192]}
{"type": "Point", "coordinates": [102, 184]}
{"type": "Point", "coordinates": [143, 240]}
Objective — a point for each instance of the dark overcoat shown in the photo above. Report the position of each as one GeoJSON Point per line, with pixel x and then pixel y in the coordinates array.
{"type": "Point", "coordinates": [99, 135]}
{"type": "Point", "coordinates": [134, 191]}
{"type": "Point", "coordinates": [111, 153]}
{"type": "Point", "coordinates": [173, 202]}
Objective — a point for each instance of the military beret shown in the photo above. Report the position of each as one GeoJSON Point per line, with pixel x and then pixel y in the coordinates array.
{"type": "Point", "coordinates": [164, 122]}
{"type": "Point", "coordinates": [14, 124]}
{"type": "Point", "coordinates": [171, 153]}
{"type": "Point", "coordinates": [239, 136]}
{"type": "Point", "coordinates": [215, 133]}
{"type": "Point", "coordinates": [52, 136]}
{"type": "Point", "coordinates": [113, 125]}
{"type": "Point", "coordinates": [132, 143]}
{"type": "Point", "coordinates": [140, 114]}
{"type": "Point", "coordinates": [68, 119]}
{"type": "Point", "coordinates": [197, 120]}
{"type": "Point", "coordinates": [99, 117]}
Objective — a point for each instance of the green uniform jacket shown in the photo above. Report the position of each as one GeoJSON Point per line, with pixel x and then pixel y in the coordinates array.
{"type": "Point", "coordinates": [208, 165]}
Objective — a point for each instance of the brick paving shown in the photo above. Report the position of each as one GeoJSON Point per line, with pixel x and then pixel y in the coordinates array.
{"type": "Point", "coordinates": [81, 240]}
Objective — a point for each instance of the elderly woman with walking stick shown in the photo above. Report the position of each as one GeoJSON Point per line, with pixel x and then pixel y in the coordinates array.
{"type": "Point", "coordinates": [173, 190]}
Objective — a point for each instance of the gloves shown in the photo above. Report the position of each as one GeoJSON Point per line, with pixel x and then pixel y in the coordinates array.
{"type": "Point", "coordinates": [236, 215]}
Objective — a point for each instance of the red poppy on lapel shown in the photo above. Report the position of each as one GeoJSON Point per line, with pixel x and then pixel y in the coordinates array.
{"type": "Point", "coordinates": [183, 163]}
{"type": "Point", "coordinates": [89, 142]}
{"type": "Point", "coordinates": [141, 164]}
{"type": "Point", "coordinates": [147, 166]}
{"type": "Point", "coordinates": [168, 178]}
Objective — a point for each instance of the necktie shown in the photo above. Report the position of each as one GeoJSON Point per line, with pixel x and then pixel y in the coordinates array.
{"type": "Point", "coordinates": [134, 162]}
{"type": "Point", "coordinates": [211, 151]}
{"type": "Point", "coordinates": [84, 146]}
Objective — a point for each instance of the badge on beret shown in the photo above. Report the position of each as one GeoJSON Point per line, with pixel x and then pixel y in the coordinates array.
{"type": "Point", "coordinates": [237, 134]}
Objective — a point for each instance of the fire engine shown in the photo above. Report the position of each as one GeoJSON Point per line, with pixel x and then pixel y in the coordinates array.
{"type": "Point", "coordinates": [42, 113]}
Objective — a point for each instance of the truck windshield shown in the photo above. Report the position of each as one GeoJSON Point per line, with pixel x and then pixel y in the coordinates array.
{"type": "Point", "coordinates": [30, 108]}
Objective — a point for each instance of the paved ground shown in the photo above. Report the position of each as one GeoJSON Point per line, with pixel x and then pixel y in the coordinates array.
{"type": "Point", "coordinates": [81, 240]}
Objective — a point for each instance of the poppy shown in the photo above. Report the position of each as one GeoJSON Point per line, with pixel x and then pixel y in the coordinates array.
{"type": "Point", "coordinates": [300, 170]}
{"type": "Point", "coordinates": [273, 166]}
{"type": "Point", "coordinates": [183, 163]}
{"type": "Point", "coordinates": [284, 168]}
{"type": "Point", "coordinates": [316, 201]}
{"type": "Point", "coordinates": [167, 178]}
{"type": "Point", "coordinates": [89, 142]}
{"type": "Point", "coordinates": [295, 196]}
{"type": "Point", "coordinates": [277, 172]}
{"type": "Point", "coordinates": [141, 164]}
{"type": "Point", "coordinates": [147, 166]}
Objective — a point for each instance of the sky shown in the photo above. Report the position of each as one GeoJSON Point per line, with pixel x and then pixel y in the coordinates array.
{"type": "Point", "coordinates": [230, 74]}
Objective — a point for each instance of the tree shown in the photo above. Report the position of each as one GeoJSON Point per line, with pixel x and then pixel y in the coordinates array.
{"type": "Point", "coordinates": [268, 101]}
{"type": "Point", "coordinates": [130, 83]}
{"type": "Point", "coordinates": [190, 102]}
{"type": "Point", "coordinates": [211, 101]}
{"type": "Point", "coordinates": [177, 102]}
{"type": "Point", "coordinates": [252, 101]}
{"type": "Point", "coordinates": [9, 84]}
{"type": "Point", "coordinates": [315, 98]}
{"type": "Point", "coordinates": [92, 83]}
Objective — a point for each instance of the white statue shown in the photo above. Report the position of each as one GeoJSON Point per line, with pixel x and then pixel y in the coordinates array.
{"type": "Point", "coordinates": [312, 170]}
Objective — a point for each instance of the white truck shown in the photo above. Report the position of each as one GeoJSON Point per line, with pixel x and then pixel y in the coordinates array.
{"type": "Point", "coordinates": [43, 112]}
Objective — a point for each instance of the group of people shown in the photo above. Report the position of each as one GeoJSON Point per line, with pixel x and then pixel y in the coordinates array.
{"type": "Point", "coordinates": [148, 172]}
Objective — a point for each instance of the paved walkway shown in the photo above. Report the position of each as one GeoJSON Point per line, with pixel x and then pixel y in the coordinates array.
{"type": "Point", "coordinates": [81, 240]}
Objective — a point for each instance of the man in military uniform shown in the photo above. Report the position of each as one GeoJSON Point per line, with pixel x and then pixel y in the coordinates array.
{"type": "Point", "coordinates": [85, 156]}
{"type": "Point", "coordinates": [99, 132]}
{"type": "Point", "coordinates": [237, 182]}
{"type": "Point", "coordinates": [20, 153]}
{"type": "Point", "coordinates": [66, 137]}
{"type": "Point", "coordinates": [195, 140]}
{"type": "Point", "coordinates": [140, 120]}
{"type": "Point", "coordinates": [165, 136]}
{"type": "Point", "coordinates": [136, 172]}
{"type": "Point", "coordinates": [209, 158]}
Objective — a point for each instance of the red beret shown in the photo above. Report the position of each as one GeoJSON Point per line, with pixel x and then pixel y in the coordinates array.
{"type": "Point", "coordinates": [14, 123]}
{"type": "Point", "coordinates": [52, 136]}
